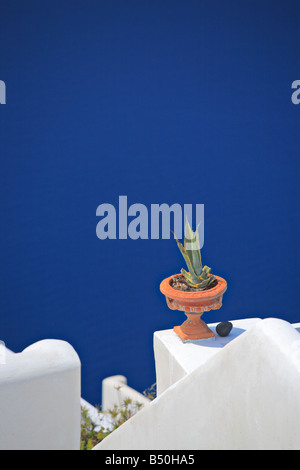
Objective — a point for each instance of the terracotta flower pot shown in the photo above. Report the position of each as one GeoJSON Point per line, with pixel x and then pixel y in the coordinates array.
{"type": "Point", "coordinates": [194, 304]}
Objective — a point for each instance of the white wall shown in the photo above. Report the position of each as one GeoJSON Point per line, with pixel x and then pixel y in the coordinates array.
{"type": "Point", "coordinates": [40, 398]}
{"type": "Point", "coordinates": [174, 359]}
{"type": "Point", "coordinates": [115, 390]}
{"type": "Point", "coordinates": [244, 397]}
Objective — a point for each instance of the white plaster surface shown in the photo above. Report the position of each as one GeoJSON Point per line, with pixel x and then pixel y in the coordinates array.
{"type": "Point", "coordinates": [40, 398]}
{"type": "Point", "coordinates": [245, 396]}
{"type": "Point", "coordinates": [174, 359]}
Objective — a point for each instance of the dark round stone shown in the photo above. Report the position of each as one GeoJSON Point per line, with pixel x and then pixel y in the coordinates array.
{"type": "Point", "coordinates": [224, 328]}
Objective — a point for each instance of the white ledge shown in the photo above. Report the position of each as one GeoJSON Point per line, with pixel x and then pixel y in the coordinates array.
{"type": "Point", "coordinates": [175, 359]}
{"type": "Point", "coordinates": [245, 395]}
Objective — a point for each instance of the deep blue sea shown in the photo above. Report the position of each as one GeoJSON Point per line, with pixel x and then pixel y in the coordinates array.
{"type": "Point", "coordinates": [163, 102]}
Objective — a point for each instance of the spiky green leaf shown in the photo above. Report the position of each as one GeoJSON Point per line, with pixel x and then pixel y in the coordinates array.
{"type": "Point", "coordinates": [186, 258]}
{"type": "Point", "coordinates": [189, 277]}
{"type": "Point", "coordinates": [192, 246]}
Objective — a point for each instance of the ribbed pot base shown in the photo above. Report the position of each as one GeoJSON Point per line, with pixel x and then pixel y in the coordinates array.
{"type": "Point", "coordinates": [193, 329]}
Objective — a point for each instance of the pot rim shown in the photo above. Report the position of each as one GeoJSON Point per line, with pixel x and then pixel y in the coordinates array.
{"type": "Point", "coordinates": [209, 294]}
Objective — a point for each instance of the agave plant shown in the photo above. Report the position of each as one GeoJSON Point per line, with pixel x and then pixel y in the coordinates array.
{"type": "Point", "coordinates": [198, 277]}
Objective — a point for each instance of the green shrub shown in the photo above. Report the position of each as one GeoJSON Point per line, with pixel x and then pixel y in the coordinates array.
{"type": "Point", "coordinates": [92, 434]}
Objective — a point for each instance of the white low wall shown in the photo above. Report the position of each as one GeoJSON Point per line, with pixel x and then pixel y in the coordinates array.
{"type": "Point", "coordinates": [115, 390]}
{"type": "Point", "coordinates": [40, 398]}
{"type": "Point", "coordinates": [244, 397]}
{"type": "Point", "coordinates": [175, 359]}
